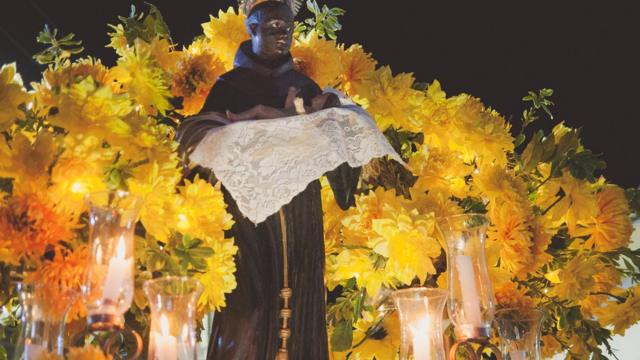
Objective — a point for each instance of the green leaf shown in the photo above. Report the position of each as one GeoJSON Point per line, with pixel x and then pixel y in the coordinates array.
{"type": "Point", "coordinates": [584, 164]}
{"type": "Point", "coordinates": [342, 337]}
{"type": "Point", "coordinates": [58, 49]}
{"type": "Point", "coordinates": [3, 353]}
{"type": "Point", "coordinates": [633, 196]}
{"type": "Point", "coordinates": [145, 27]}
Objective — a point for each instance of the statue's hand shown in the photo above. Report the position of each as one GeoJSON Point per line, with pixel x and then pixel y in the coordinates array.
{"type": "Point", "coordinates": [259, 112]}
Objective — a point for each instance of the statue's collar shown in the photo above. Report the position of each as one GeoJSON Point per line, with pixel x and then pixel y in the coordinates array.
{"type": "Point", "coordinates": [246, 59]}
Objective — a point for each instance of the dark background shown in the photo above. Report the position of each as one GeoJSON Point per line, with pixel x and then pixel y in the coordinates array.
{"type": "Point", "coordinates": [494, 50]}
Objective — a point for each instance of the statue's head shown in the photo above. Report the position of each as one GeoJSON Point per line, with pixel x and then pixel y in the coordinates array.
{"type": "Point", "coordinates": [270, 25]}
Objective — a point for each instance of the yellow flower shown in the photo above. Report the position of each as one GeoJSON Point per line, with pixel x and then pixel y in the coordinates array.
{"type": "Point", "coordinates": [202, 211]}
{"type": "Point", "coordinates": [577, 206]}
{"type": "Point", "coordinates": [436, 202]}
{"type": "Point", "coordinates": [12, 94]}
{"type": "Point", "coordinates": [509, 295]}
{"type": "Point", "coordinates": [196, 73]}
{"type": "Point", "coordinates": [392, 100]}
{"type": "Point", "coordinates": [45, 355]}
{"type": "Point", "coordinates": [576, 279]}
{"type": "Point", "coordinates": [317, 58]}
{"type": "Point", "coordinates": [332, 218]}
{"type": "Point", "coordinates": [27, 162]}
{"type": "Point", "coordinates": [487, 135]}
{"type": "Point", "coordinates": [439, 169]}
{"type": "Point", "coordinates": [407, 240]}
{"type": "Point", "coordinates": [86, 353]}
{"type": "Point", "coordinates": [158, 213]}
{"type": "Point", "coordinates": [611, 228]}
{"type": "Point", "coordinates": [621, 316]}
{"type": "Point", "coordinates": [606, 281]}
{"type": "Point", "coordinates": [86, 108]}
{"type": "Point", "coordinates": [225, 34]}
{"type": "Point", "coordinates": [139, 77]}
{"type": "Point", "coordinates": [358, 67]}
{"type": "Point", "coordinates": [219, 278]}
{"type": "Point", "coordinates": [164, 54]}
{"type": "Point", "coordinates": [510, 229]}
{"type": "Point", "coordinates": [382, 345]}
{"type": "Point", "coordinates": [60, 281]}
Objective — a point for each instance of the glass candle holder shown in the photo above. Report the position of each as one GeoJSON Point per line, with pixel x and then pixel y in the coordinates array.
{"type": "Point", "coordinates": [109, 285]}
{"type": "Point", "coordinates": [471, 303]}
{"type": "Point", "coordinates": [173, 302]}
{"type": "Point", "coordinates": [519, 331]}
{"type": "Point", "coordinates": [40, 336]}
{"type": "Point", "coordinates": [421, 323]}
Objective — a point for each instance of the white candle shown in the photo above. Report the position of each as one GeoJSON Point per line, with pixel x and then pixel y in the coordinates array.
{"type": "Point", "coordinates": [32, 351]}
{"type": "Point", "coordinates": [421, 338]}
{"type": "Point", "coordinates": [118, 273]}
{"type": "Point", "coordinates": [517, 355]}
{"type": "Point", "coordinates": [166, 346]}
{"type": "Point", "coordinates": [470, 294]}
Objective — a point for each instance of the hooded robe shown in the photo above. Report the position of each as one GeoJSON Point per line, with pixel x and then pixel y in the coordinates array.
{"type": "Point", "coordinates": [248, 327]}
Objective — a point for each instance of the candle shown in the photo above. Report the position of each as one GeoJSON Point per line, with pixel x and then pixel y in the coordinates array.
{"type": "Point", "coordinates": [166, 346]}
{"type": "Point", "coordinates": [118, 273]}
{"type": "Point", "coordinates": [421, 335]}
{"type": "Point", "coordinates": [470, 295]}
{"type": "Point", "coordinates": [517, 355]}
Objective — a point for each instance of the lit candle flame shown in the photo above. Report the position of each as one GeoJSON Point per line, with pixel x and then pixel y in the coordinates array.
{"type": "Point", "coordinates": [164, 325]}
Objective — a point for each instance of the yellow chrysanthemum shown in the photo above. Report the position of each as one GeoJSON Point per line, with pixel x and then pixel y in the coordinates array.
{"type": "Point", "coordinates": [621, 315]}
{"type": "Point", "coordinates": [577, 206]}
{"type": "Point", "coordinates": [202, 211]}
{"type": "Point", "coordinates": [195, 74]}
{"type": "Point", "coordinates": [611, 228]}
{"type": "Point", "coordinates": [317, 58]}
{"type": "Point", "coordinates": [27, 162]}
{"type": "Point", "coordinates": [575, 280]}
{"type": "Point", "coordinates": [219, 279]}
{"type": "Point", "coordinates": [158, 212]}
{"type": "Point", "coordinates": [406, 238]}
{"type": "Point", "coordinates": [164, 54]}
{"type": "Point", "coordinates": [606, 282]}
{"type": "Point", "coordinates": [510, 229]}
{"type": "Point", "coordinates": [85, 108]}
{"type": "Point", "coordinates": [332, 219]}
{"type": "Point", "coordinates": [138, 75]}
{"type": "Point", "coordinates": [393, 101]}
{"type": "Point", "coordinates": [436, 202]}
{"type": "Point", "coordinates": [225, 34]}
{"type": "Point", "coordinates": [439, 169]}
{"type": "Point", "coordinates": [509, 295]}
{"type": "Point", "coordinates": [358, 67]}
{"type": "Point", "coordinates": [358, 222]}
{"type": "Point", "coordinates": [383, 345]}
{"type": "Point", "coordinates": [487, 135]}
{"type": "Point", "coordinates": [12, 94]}
{"type": "Point", "coordinates": [60, 281]}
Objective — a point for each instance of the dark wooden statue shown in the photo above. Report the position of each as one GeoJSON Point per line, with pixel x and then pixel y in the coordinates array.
{"type": "Point", "coordinates": [277, 310]}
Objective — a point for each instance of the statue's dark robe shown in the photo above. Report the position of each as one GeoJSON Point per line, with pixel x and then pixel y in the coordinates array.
{"type": "Point", "coordinates": [248, 327]}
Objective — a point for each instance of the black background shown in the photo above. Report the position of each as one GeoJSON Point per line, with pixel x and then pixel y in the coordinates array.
{"type": "Point", "coordinates": [585, 51]}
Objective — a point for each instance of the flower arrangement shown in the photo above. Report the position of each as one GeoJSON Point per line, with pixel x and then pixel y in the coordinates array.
{"type": "Point", "coordinates": [558, 238]}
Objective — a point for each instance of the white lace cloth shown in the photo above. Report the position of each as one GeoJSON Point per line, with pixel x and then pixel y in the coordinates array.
{"type": "Point", "coordinates": [264, 164]}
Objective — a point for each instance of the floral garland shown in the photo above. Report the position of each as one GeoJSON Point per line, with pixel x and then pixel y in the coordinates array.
{"type": "Point", "coordinates": [558, 238]}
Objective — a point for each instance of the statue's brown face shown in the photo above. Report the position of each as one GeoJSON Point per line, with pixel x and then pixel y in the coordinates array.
{"type": "Point", "coordinates": [271, 37]}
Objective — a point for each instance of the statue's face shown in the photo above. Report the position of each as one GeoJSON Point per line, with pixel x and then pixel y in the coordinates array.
{"type": "Point", "coordinates": [271, 37]}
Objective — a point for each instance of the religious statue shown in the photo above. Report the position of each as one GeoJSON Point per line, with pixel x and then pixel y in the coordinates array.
{"type": "Point", "coordinates": [278, 308]}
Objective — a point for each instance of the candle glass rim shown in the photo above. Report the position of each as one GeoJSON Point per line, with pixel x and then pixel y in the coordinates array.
{"type": "Point", "coordinates": [134, 207]}
{"type": "Point", "coordinates": [444, 222]}
{"type": "Point", "coordinates": [540, 315]}
{"type": "Point", "coordinates": [403, 293]}
{"type": "Point", "coordinates": [156, 284]}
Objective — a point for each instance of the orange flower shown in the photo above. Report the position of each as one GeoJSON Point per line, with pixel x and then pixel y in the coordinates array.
{"type": "Point", "coordinates": [611, 228]}
{"type": "Point", "coordinates": [29, 225]}
{"type": "Point", "coordinates": [58, 282]}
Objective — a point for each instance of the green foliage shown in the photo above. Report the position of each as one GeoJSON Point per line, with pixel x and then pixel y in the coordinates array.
{"type": "Point", "coordinates": [145, 27]}
{"type": "Point", "coordinates": [58, 49]}
{"type": "Point", "coordinates": [182, 255]}
{"type": "Point", "coordinates": [324, 21]}
{"type": "Point", "coordinates": [116, 175]}
{"type": "Point", "coordinates": [633, 196]}
{"type": "Point", "coordinates": [343, 314]}
{"type": "Point", "coordinates": [538, 101]}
